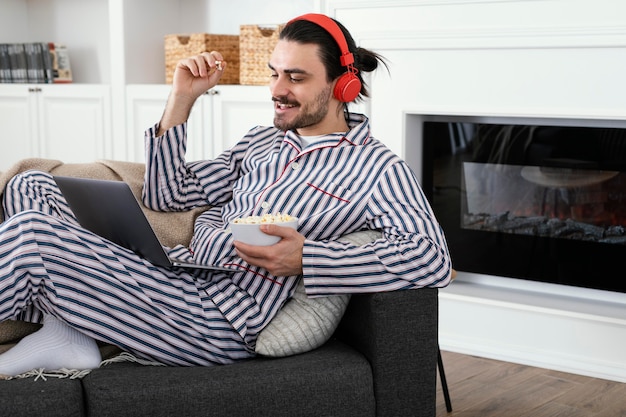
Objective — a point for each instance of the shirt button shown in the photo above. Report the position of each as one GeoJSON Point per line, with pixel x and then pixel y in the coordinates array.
{"type": "Point", "coordinates": [265, 204]}
{"type": "Point", "coordinates": [295, 166]}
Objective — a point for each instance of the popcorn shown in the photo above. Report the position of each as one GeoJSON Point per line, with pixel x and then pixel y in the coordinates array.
{"type": "Point", "coordinates": [265, 218]}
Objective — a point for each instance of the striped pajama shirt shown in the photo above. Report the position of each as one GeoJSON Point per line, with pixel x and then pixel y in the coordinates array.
{"type": "Point", "coordinates": [341, 184]}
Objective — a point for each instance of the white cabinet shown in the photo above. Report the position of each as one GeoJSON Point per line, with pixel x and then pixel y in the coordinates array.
{"type": "Point", "coordinates": [19, 139]}
{"type": "Point", "coordinates": [66, 122]}
{"type": "Point", "coordinates": [218, 120]}
{"type": "Point", "coordinates": [237, 109]}
{"type": "Point", "coordinates": [144, 106]}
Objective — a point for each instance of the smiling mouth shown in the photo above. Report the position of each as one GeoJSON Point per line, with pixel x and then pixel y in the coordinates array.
{"type": "Point", "coordinates": [284, 105]}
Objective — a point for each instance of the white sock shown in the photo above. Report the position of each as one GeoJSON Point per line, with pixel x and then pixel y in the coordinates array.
{"type": "Point", "coordinates": [56, 345]}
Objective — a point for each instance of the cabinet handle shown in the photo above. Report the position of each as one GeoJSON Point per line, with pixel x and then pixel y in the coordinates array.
{"type": "Point", "coordinates": [213, 92]}
{"type": "Point", "coordinates": [34, 90]}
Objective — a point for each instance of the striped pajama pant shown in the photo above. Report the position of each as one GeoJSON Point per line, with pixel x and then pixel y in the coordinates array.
{"type": "Point", "coordinates": [49, 264]}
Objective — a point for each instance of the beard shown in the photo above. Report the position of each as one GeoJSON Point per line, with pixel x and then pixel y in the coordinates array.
{"type": "Point", "coordinates": [309, 114]}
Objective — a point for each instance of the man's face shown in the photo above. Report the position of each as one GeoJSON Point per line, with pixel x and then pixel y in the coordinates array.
{"type": "Point", "coordinates": [299, 88]}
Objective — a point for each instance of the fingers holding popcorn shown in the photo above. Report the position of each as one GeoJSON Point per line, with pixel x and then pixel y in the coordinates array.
{"type": "Point", "coordinates": [204, 64]}
{"type": "Point", "coordinates": [196, 74]}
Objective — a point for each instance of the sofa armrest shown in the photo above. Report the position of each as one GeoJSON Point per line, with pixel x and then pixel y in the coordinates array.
{"type": "Point", "coordinates": [398, 333]}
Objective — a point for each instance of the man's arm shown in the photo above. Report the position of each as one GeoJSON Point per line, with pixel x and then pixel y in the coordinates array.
{"type": "Point", "coordinates": [192, 77]}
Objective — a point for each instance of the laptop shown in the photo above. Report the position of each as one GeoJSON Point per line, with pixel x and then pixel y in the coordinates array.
{"type": "Point", "coordinates": [110, 210]}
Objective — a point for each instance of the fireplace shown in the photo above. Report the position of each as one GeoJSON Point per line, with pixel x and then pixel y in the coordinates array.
{"type": "Point", "coordinates": [535, 199]}
{"type": "Point", "coordinates": [551, 64]}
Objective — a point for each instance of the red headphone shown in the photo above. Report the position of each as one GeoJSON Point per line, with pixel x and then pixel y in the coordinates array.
{"type": "Point", "coordinates": [348, 85]}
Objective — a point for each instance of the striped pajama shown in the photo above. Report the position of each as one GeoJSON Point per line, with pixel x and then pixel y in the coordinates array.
{"type": "Point", "coordinates": [49, 264]}
{"type": "Point", "coordinates": [337, 185]}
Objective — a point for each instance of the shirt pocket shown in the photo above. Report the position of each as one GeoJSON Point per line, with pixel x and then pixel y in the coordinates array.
{"type": "Point", "coordinates": [327, 202]}
{"type": "Point", "coordinates": [311, 201]}
{"type": "Point", "coordinates": [322, 199]}
{"type": "Point", "coordinates": [330, 193]}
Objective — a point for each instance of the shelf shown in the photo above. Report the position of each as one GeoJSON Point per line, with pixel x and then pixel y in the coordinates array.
{"type": "Point", "coordinates": [82, 26]}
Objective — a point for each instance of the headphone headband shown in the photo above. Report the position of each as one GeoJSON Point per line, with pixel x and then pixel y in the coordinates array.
{"type": "Point", "coordinates": [348, 86]}
{"type": "Point", "coordinates": [334, 30]}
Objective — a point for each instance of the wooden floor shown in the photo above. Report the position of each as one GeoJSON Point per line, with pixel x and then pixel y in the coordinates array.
{"type": "Point", "coordinates": [487, 388]}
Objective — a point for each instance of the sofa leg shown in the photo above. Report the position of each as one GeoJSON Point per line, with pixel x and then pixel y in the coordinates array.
{"type": "Point", "coordinates": [444, 383]}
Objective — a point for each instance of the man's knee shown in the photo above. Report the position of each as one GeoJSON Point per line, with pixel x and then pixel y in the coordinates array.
{"type": "Point", "coordinates": [26, 178]}
{"type": "Point", "coordinates": [28, 190]}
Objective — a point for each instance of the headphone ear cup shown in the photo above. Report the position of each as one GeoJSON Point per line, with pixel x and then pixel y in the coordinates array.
{"type": "Point", "coordinates": [348, 87]}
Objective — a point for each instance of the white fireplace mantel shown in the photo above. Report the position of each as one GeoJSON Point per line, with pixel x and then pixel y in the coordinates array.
{"type": "Point", "coordinates": [563, 59]}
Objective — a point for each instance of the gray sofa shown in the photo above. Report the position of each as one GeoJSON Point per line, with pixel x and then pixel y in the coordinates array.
{"type": "Point", "coordinates": [381, 361]}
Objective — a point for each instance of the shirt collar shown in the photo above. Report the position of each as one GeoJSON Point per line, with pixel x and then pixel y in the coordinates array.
{"type": "Point", "coordinates": [359, 134]}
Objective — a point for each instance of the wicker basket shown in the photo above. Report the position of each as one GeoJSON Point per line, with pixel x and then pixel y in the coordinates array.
{"type": "Point", "coordinates": [178, 47]}
{"type": "Point", "coordinates": [256, 44]}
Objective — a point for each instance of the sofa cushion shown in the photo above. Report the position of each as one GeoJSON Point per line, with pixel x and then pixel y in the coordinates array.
{"type": "Point", "coordinates": [334, 380]}
{"type": "Point", "coordinates": [301, 325]}
{"type": "Point", "coordinates": [306, 323]}
{"type": "Point", "coordinates": [41, 397]}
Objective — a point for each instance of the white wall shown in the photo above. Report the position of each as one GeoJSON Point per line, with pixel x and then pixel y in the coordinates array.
{"type": "Point", "coordinates": [225, 17]}
{"type": "Point", "coordinates": [14, 13]}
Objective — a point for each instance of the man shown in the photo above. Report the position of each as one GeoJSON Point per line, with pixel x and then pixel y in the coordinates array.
{"type": "Point", "coordinates": [318, 163]}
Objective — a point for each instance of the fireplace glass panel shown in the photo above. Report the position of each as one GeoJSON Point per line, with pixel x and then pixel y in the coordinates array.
{"type": "Point", "coordinates": [539, 202]}
{"type": "Point", "coordinates": [566, 203]}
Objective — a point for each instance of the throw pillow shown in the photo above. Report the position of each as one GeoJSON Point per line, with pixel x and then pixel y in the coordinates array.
{"type": "Point", "coordinates": [305, 323]}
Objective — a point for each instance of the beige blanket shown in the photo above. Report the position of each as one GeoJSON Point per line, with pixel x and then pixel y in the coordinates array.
{"type": "Point", "coordinates": [172, 228]}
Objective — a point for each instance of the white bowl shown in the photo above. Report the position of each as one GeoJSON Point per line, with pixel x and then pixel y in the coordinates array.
{"type": "Point", "coordinates": [252, 234]}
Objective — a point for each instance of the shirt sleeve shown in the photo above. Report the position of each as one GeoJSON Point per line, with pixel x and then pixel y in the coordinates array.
{"type": "Point", "coordinates": [172, 184]}
{"type": "Point", "coordinates": [412, 252]}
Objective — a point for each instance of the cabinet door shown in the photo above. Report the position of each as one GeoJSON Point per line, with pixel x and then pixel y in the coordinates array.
{"type": "Point", "coordinates": [144, 107]}
{"type": "Point", "coordinates": [236, 110]}
{"type": "Point", "coordinates": [218, 119]}
{"type": "Point", "coordinates": [19, 125]}
{"type": "Point", "coordinates": [74, 122]}
{"type": "Point", "coordinates": [145, 104]}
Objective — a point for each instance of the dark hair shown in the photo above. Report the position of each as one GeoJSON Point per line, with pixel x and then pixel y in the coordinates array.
{"type": "Point", "coordinates": [304, 31]}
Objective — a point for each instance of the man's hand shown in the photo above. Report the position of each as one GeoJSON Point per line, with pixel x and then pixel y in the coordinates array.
{"type": "Point", "coordinates": [193, 76]}
{"type": "Point", "coordinates": [197, 74]}
{"type": "Point", "coordinates": [281, 259]}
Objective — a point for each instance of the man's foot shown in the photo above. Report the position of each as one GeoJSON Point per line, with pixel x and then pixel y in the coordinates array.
{"type": "Point", "coordinates": [56, 345]}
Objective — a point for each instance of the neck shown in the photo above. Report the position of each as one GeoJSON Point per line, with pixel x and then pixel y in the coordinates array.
{"type": "Point", "coordinates": [335, 121]}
